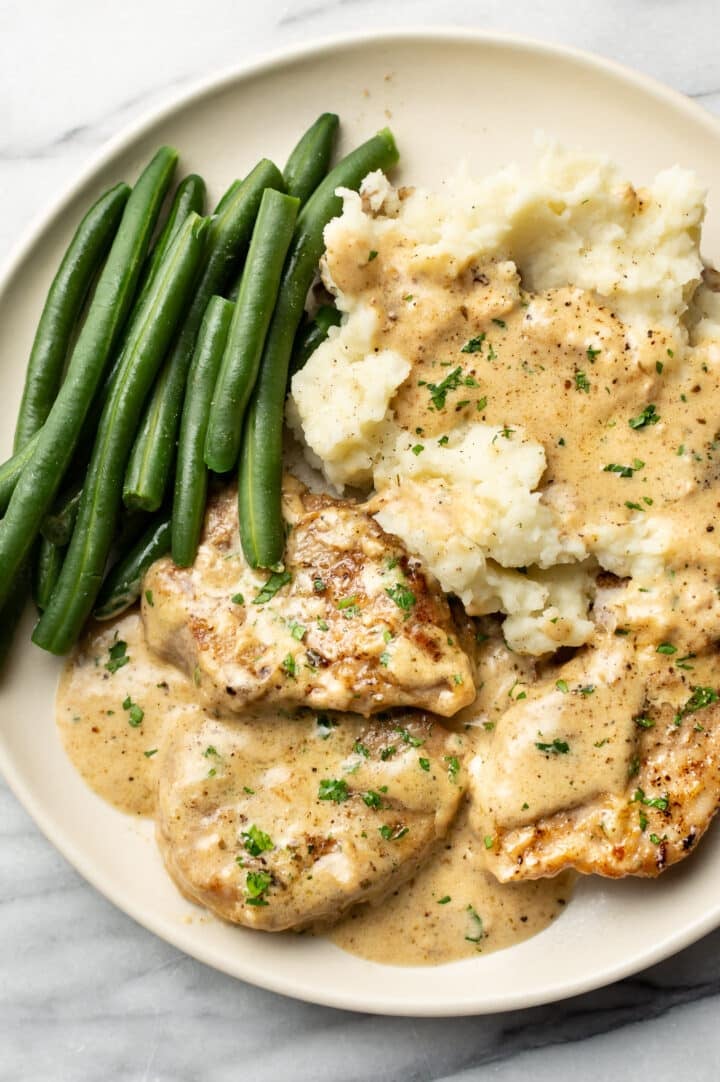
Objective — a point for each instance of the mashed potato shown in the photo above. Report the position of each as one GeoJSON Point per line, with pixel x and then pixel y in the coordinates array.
{"type": "Point", "coordinates": [495, 379]}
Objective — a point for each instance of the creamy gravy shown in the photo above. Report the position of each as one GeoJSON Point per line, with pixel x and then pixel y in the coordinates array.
{"type": "Point", "coordinates": [120, 756]}
{"type": "Point", "coordinates": [454, 908]}
{"type": "Point", "coordinates": [566, 369]}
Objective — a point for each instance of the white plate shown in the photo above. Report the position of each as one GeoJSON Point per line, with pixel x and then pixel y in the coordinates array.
{"type": "Point", "coordinates": [448, 95]}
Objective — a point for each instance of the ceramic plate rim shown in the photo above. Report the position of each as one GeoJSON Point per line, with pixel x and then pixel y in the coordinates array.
{"type": "Point", "coordinates": [196, 91]}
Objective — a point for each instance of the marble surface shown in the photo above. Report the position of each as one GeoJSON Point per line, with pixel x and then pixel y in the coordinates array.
{"type": "Point", "coordinates": [86, 994]}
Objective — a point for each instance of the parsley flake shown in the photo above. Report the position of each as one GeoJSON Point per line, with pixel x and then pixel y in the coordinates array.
{"type": "Point", "coordinates": [556, 747]}
{"type": "Point", "coordinates": [648, 416]}
{"type": "Point", "coordinates": [118, 656]}
{"type": "Point", "coordinates": [257, 884]}
{"type": "Point", "coordinates": [277, 580]}
{"type": "Point", "coordinates": [334, 789]}
{"type": "Point", "coordinates": [256, 841]}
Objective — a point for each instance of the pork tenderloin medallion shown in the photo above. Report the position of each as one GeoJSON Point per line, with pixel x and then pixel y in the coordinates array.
{"type": "Point", "coordinates": [276, 822]}
{"type": "Point", "coordinates": [352, 623]}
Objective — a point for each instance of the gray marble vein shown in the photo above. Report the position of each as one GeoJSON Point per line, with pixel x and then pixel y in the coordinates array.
{"type": "Point", "coordinates": [87, 994]}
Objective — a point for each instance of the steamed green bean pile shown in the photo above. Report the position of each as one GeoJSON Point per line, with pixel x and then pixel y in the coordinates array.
{"type": "Point", "coordinates": [161, 358]}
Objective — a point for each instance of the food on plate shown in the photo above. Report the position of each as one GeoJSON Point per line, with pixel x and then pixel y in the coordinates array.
{"type": "Point", "coordinates": [429, 594]}
{"type": "Point", "coordinates": [350, 623]}
{"type": "Point", "coordinates": [327, 811]}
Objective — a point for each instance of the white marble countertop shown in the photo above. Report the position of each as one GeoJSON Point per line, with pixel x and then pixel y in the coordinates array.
{"type": "Point", "coordinates": [89, 995]}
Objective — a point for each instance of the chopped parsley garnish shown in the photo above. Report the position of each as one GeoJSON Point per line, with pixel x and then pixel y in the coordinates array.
{"type": "Point", "coordinates": [648, 416]}
{"type": "Point", "coordinates": [257, 884]}
{"type": "Point", "coordinates": [393, 834]}
{"type": "Point", "coordinates": [453, 380]}
{"type": "Point", "coordinates": [424, 763]}
{"type": "Point", "coordinates": [591, 354]}
{"type": "Point", "coordinates": [453, 766]}
{"type": "Point", "coordinates": [257, 841]}
{"type": "Point", "coordinates": [587, 689]}
{"type": "Point", "coordinates": [118, 656]}
{"type": "Point", "coordinates": [624, 471]}
{"type": "Point", "coordinates": [150, 752]}
{"type": "Point", "coordinates": [634, 766]}
{"type": "Point", "coordinates": [444, 900]}
{"type": "Point", "coordinates": [277, 580]}
{"type": "Point", "coordinates": [288, 665]}
{"type": "Point", "coordinates": [297, 630]}
{"type": "Point", "coordinates": [444, 440]}
{"type": "Point", "coordinates": [643, 722]}
{"type": "Point", "coordinates": [361, 749]}
{"type": "Point", "coordinates": [403, 597]}
{"type": "Point", "coordinates": [237, 599]}
{"type": "Point", "coordinates": [556, 747]}
{"type": "Point", "coordinates": [643, 820]}
{"type": "Point", "coordinates": [372, 799]}
{"type": "Point", "coordinates": [388, 752]}
{"type": "Point", "coordinates": [372, 254]}
{"type": "Point", "coordinates": [149, 598]}
{"type": "Point", "coordinates": [408, 738]}
{"type": "Point", "coordinates": [474, 345]}
{"type": "Point", "coordinates": [322, 625]}
{"type": "Point", "coordinates": [418, 449]}
{"type": "Point", "coordinates": [659, 367]}
{"type": "Point", "coordinates": [561, 685]}
{"type": "Point", "coordinates": [319, 586]}
{"type": "Point", "coordinates": [660, 802]}
{"type": "Point", "coordinates": [210, 751]}
{"type": "Point", "coordinates": [655, 839]}
{"type": "Point", "coordinates": [384, 659]}
{"type": "Point", "coordinates": [477, 926]}
{"type": "Point", "coordinates": [500, 323]}
{"type": "Point", "coordinates": [666, 648]}
{"type": "Point", "coordinates": [489, 841]}
{"type": "Point", "coordinates": [700, 698]}
{"type": "Point", "coordinates": [582, 383]}
{"type": "Point", "coordinates": [135, 712]}
{"type": "Point", "coordinates": [335, 789]}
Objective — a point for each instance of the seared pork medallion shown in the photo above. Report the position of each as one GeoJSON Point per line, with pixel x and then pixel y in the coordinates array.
{"type": "Point", "coordinates": [611, 766]}
{"type": "Point", "coordinates": [278, 822]}
{"type": "Point", "coordinates": [351, 623]}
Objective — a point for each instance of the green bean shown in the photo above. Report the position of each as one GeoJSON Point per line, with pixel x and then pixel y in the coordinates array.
{"type": "Point", "coordinates": [12, 468]}
{"type": "Point", "coordinates": [191, 473]}
{"type": "Point", "coordinates": [261, 277]}
{"type": "Point", "coordinates": [159, 315]}
{"type": "Point", "coordinates": [259, 496]}
{"type": "Point", "coordinates": [312, 334]}
{"type": "Point", "coordinates": [12, 610]}
{"type": "Point", "coordinates": [47, 571]}
{"type": "Point", "coordinates": [111, 302]}
{"type": "Point", "coordinates": [62, 308]}
{"type": "Point", "coordinates": [310, 160]}
{"type": "Point", "coordinates": [189, 197]}
{"type": "Point", "coordinates": [123, 584]}
{"type": "Point", "coordinates": [225, 199]}
{"type": "Point", "coordinates": [58, 525]}
{"type": "Point", "coordinates": [152, 455]}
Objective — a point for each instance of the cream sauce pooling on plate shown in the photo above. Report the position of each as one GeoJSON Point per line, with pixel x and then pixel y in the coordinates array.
{"type": "Point", "coordinates": [454, 908]}
{"type": "Point", "coordinates": [113, 704]}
